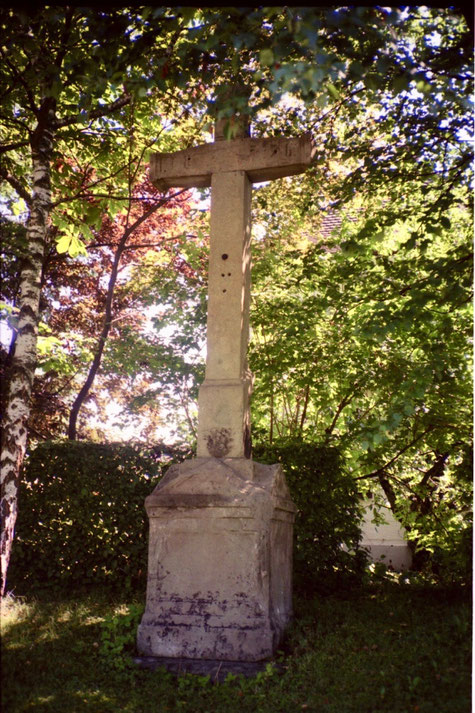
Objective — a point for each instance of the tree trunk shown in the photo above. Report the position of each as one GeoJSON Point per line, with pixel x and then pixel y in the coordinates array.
{"type": "Point", "coordinates": [22, 368]}
{"type": "Point", "coordinates": [106, 325]}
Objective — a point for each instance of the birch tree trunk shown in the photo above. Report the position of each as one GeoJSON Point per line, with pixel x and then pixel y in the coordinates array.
{"type": "Point", "coordinates": [22, 369]}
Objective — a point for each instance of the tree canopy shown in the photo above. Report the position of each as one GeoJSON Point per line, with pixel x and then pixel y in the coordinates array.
{"type": "Point", "coordinates": [360, 336]}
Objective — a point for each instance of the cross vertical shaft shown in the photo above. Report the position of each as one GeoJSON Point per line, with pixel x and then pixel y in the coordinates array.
{"type": "Point", "coordinates": [223, 406]}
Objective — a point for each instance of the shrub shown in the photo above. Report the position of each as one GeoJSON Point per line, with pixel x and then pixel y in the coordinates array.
{"type": "Point", "coordinates": [439, 518]}
{"type": "Point", "coordinates": [118, 636]}
{"type": "Point", "coordinates": [82, 520]}
{"type": "Point", "coordinates": [81, 516]}
{"type": "Point", "coordinates": [328, 515]}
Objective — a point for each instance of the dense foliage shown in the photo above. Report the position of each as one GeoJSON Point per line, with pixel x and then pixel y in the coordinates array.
{"type": "Point", "coordinates": [361, 337]}
{"type": "Point", "coordinates": [367, 349]}
{"type": "Point", "coordinates": [82, 519]}
{"type": "Point", "coordinates": [384, 106]}
{"type": "Point", "coordinates": [328, 511]}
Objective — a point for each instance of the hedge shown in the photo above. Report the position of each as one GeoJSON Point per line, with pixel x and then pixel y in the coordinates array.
{"type": "Point", "coordinates": [82, 520]}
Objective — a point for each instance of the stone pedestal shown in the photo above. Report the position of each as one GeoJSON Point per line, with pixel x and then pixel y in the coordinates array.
{"type": "Point", "coordinates": [220, 561]}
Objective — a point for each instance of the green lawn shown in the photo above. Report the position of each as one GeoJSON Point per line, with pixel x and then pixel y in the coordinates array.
{"type": "Point", "coordinates": [384, 649]}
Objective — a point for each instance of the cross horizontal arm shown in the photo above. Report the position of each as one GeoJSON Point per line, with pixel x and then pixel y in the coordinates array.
{"type": "Point", "coordinates": [261, 159]}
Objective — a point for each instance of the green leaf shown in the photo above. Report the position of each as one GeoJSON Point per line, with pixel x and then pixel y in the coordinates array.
{"type": "Point", "coordinates": [266, 57]}
{"type": "Point", "coordinates": [77, 247]}
{"type": "Point", "coordinates": [356, 69]}
{"type": "Point", "coordinates": [71, 244]}
{"type": "Point", "coordinates": [374, 81]}
{"type": "Point", "coordinates": [400, 83]}
{"type": "Point", "coordinates": [411, 243]}
{"type": "Point", "coordinates": [62, 246]}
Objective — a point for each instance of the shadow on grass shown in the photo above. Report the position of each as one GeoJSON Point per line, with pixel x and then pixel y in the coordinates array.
{"type": "Point", "coordinates": [51, 658]}
{"type": "Point", "coordinates": [385, 649]}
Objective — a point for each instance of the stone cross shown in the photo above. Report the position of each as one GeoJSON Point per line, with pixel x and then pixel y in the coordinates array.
{"type": "Point", "coordinates": [230, 167]}
{"type": "Point", "coordinates": [219, 584]}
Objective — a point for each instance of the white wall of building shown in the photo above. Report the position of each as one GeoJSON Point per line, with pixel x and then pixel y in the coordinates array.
{"type": "Point", "coordinates": [386, 542]}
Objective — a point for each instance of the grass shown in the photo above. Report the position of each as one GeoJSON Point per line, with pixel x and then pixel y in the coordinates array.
{"type": "Point", "coordinates": [386, 648]}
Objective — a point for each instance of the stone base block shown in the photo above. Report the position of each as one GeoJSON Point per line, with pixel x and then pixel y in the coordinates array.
{"type": "Point", "coordinates": [215, 669]}
{"type": "Point", "coordinates": [249, 641]}
{"type": "Point", "coordinates": [220, 562]}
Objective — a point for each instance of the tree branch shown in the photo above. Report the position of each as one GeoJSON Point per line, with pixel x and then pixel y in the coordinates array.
{"type": "Point", "coordinates": [107, 322]}
{"type": "Point", "coordinates": [96, 113]}
{"type": "Point", "coordinates": [342, 405]}
{"type": "Point", "coordinates": [82, 191]}
{"type": "Point", "coordinates": [12, 147]}
{"type": "Point", "coordinates": [95, 246]}
{"type": "Point", "coordinates": [15, 183]}
{"type": "Point", "coordinates": [19, 76]}
{"type": "Point", "coordinates": [382, 469]}
{"type": "Point", "coordinates": [304, 410]}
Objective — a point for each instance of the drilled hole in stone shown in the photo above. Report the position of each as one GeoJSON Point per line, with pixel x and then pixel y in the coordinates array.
{"type": "Point", "coordinates": [224, 290]}
{"type": "Point", "coordinates": [229, 274]}
{"type": "Point", "coordinates": [224, 256]}
{"type": "Point", "coordinates": [223, 275]}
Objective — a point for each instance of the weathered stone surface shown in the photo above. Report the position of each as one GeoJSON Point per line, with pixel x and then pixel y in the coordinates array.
{"type": "Point", "coordinates": [220, 562]}
{"type": "Point", "coordinates": [230, 168]}
{"type": "Point", "coordinates": [220, 550]}
{"type": "Point", "coordinates": [223, 405]}
{"type": "Point", "coordinates": [215, 669]}
{"type": "Point", "coordinates": [261, 159]}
